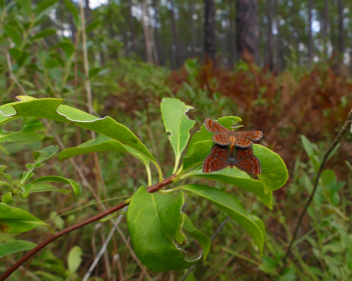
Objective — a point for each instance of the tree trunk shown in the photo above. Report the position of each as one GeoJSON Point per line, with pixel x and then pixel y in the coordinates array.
{"type": "Point", "coordinates": [210, 39]}
{"type": "Point", "coordinates": [156, 36]}
{"type": "Point", "coordinates": [231, 37]}
{"type": "Point", "coordinates": [148, 43]}
{"type": "Point", "coordinates": [193, 28]}
{"type": "Point", "coordinates": [310, 37]}
{"type": "Point", "coordinates": [175, 46]}
{"type": "Point", "coordinates": [87, 12]}
{"type": "Point", "coordinates": [72, 27]}
{"type": "Point", "coordinates": [341, 35]}
{"type": "Point", "coordinates": [133, 43]}
{"type": "Point", "coordinates": [247, 27]}
{"type": "Point", "coordinates": [270, 46]}
{"type": "Point", "coordinates": [112, 53]}
{"type": "Point", "coordinates": [324, 30]}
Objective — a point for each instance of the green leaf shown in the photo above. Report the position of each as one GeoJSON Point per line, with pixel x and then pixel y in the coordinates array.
{"type": "Point", "coordinates": [328, 176]}
{"type": "Point", "coordinates": [154, 222]}
{"type": "Point", "coordinates": [43, 6]}
{"type": "Point", "coordinates": [27, 133]}
{"type": "Point", "coordinates": [14, 35]}
{"type": "Point", "coordinates": [66, 46]}
{"type": "Point", "coordinates": [200, 151]}
{"type": "Point", "coordinates": [72, 8]}
{"type": "Point", "coordinates": [33, 188]}
{"type": "Point", "coordinates": [15, 53]}
{"type": "Point", "coordinates": [94, 24]}
{"type": "Point", "coordinates": [45, 153]}
{"type": "Point", "coordinates": [7, 198]}
{"type": "Point", "coordinates": [100, 144]}
{"type": "Point", "coordinates": [268, 265]}
{"type": "Point", "coordinates": [47, 187]}
{"type": "Point", "coordinates": [240, 179]}
{"type": "Point", "coordinates": [74, 259]}
{"type": "Point", "coordinates": [75, 185]}
{"type": "Point", "coordinates": [7, 111]}
{"type": "Point", "coordinates": [177, 124]}
{"type": "Point", "coordinates": [307, 145]}
{"type": "Point", "coordinates": [26, 189]}
{"type": "Point", "coordinates": [16, 220]}
{"type": "Point", "coordinates": [44, 33]}
{"type": "Point", "coordinates": [52, 109]}
{"type": "Point", "coordinates": [274, 172]}
{"type": "Point", "coordinates": [58, 220]}
{"type": "Point", "coordinates": [203, 240]}
{"type": "Point", "coordinates": [2, 168]}
{"type": "Point", "coordinates": [21, 57]}
{"type": "Point", "coordinates": [349, 165]}
{"type": "Point", "coordinates": [94, 71]}
{"type": "Point", "coordinates": [26, 6]}
{"type": "Point", "coordinates": [5, 175]}
{"type": "Point", "coordinates": [21, 137]}
{"type": "Point", "coordinates": [12, 247]}
{"type": "Point", "coordinates": [230, 205]}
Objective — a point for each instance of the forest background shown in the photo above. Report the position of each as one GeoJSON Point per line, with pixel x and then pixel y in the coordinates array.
{"type": "Point", "coordinates": [284, 67]}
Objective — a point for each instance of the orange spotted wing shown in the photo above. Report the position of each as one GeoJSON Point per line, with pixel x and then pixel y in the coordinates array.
{"type": "Point", "coordinates": [224, 136]}
{"type": "Point", "coordinates": [246, 161]}
{"type": "Point", "coordinates": [220, 158]}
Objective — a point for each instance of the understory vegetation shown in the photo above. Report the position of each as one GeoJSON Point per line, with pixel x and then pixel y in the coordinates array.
{"type": "Point", "coordinates": [299, 110]}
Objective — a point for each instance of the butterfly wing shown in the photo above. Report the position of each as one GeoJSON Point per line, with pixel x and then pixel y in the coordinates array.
{"type": "Point", "coordinates": [222, 138]}
{"type": "Point", "coordinates": [214, 127]}
{"type": "Point", "coordinates": [241, 141]}
{"type": "Point", "coordinates": [252, 135]}
{"type": "Point", "coordinates": [217, 160]}
{"type": "Point", "coordinates": [243, 153]}
{"type": "Point", "coordinates": [246, 161]}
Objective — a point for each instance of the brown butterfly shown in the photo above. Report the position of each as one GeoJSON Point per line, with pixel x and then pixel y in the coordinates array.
{"type": "Point", "coordinates": [224, 136]}
{"type": "Point", "coordinates": [220, 158]}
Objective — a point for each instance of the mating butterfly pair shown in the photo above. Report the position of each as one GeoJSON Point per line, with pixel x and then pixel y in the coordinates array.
{"type": "Point", "coordinates": [221, 157]}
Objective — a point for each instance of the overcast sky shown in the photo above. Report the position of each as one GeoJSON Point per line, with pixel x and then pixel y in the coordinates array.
{"type": "Point", "coordinates": [94, 3]}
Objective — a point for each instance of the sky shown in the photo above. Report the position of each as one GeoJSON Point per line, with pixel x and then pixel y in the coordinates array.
{"type": "Point", "coordinates": [94, 3]}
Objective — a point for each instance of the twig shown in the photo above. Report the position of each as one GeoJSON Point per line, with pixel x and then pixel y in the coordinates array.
{"type": "Point", "coordinates": [12, 75]}
{"type": "Point", "coordinates": [330, 149]}
{"type": "Point", "coordinates": [103, 249]}
{"type": "Point", "coordinates": [89, 96]}
{"type": "Point", "coordinates": [77, 168]}
{"type": "Point", "coordinates": [85, 59]}
{"type": "Point", "coordinates": [86, 183]}
{"type": "Point", "coordinates": [95, 218]}
{"type": "Point", "coordinates": [212, 238]}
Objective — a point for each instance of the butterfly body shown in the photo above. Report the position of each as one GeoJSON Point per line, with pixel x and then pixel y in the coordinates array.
{"type": "Point", "coordinates": [221, 157]}
{"type": "Point", "coordinates": [223, 136]}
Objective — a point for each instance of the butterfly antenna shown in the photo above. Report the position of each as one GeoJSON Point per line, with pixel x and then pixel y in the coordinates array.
{"type": "Point", "coordinates": [234, 127]}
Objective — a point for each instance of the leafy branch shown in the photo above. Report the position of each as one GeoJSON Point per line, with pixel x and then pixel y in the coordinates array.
{"type": "Point", "coordinates": [338, 138]}
{"type": "Point", "coordinates": [67, 230]}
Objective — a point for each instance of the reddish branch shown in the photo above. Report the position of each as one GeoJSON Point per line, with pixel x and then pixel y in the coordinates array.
{"type": "Point", "coordinates": [150, 189]}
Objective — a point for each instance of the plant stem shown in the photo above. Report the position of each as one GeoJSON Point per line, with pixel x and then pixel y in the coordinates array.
{"type": "Point", "coordinates": [338, 138]}
{"type": "Point", "coordinates": [149, 174]}
{"type": "Point", "coordinates": [85, 59]}
{"type": "Point", "coordinates": [95, 218]}
{"type": "Point", "coordinates": [12, 75]}
{"type": "Point", "coordinates": [211, 238]}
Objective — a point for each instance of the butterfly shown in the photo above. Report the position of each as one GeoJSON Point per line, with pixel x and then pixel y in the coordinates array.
{"type": "Point", "coordinates": [221, 157]}
{"type": "Point", "coordinates": [224, 136]}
